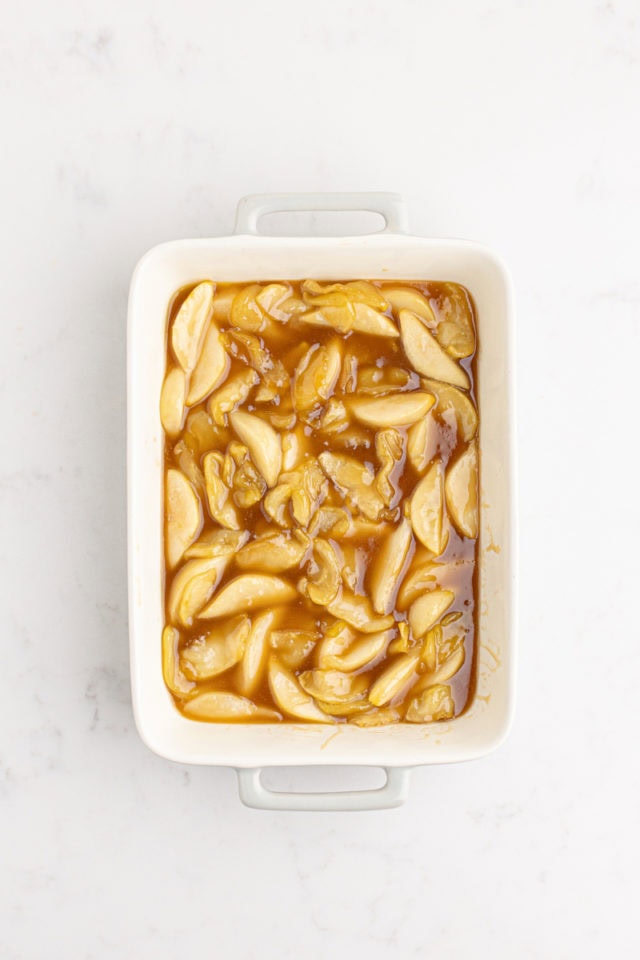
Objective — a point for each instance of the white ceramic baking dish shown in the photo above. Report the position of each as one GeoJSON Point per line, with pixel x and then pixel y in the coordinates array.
{"type": "Point", "coordinates": [250, 256]}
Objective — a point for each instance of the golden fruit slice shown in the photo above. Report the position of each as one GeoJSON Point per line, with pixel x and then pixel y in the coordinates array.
{"type": "Point", "coordinates": [187, 332]}
{"type": "Point", "coordinates": [427, 576]}
{"type": "Point", "coordinates": [407, 298]}
{"type": "Point", "coordinates": [334, 643]}
{"type": "Point", "coordinates": [426, 509]}
{"type": "Point", "coordinates": [218, 543]}
{"type": "Point", "coordinates": [422, 442]}
{"type": "Point", "coordinates": [272, 297]}
{"type": "Point", "coordinates": [456, 330]}
{"type": "Point", "coordinates": [355, 481]}
{"type": "Point", "coordinates": [183, 513]}
{"type": "Point", "coordinates": [172, 401]}
{"type": "Point", "coordinates": [426, 355]}
{"type": "Point", "coordinates": [460, 405]}
{"type": "Point", "coordinates": [435, 703]}
{"type": "Point", "coordinates": [222, 300]}
{"type": "Point", "coordinates": [231, 394]}
{"type": "Point", "coordinates": [396, 410]}
{"type": "Point", "coordinates": [362, 652]}
{"type": "Point", "coordinates": [245, 311]}
{"type": "Point", "coordinates": [341, 708]}
{"type": "Point", "coordinates": [193, 585]}
{"type": "Point", "coordinates": [395, 680]}
{"type": "Point", "coordinates": [461, 492]}
{"type": "Point", "coordinates": [273, 554]}
{"type": "Point", "coordinates": [175, 681]}
{"type": "Point", "coordinates": [250, 591]}
{"type": "Point", "coordinates": [358, 612]}
{"type": "Point", "coordinates": [333, 685]}
{"type": "Point", "coordinates": [256, 651]}
{"type": "Point", "coordinates": [344, 294]}
{"type": "Point", "coordinates": [442, 673]}
{"type": "Point", "coordinates": [316, 375]}
{"type": "Point", "coordinates": [293, 646]}
{"type": "Point", "coordinates": [358, 317]}
{"type": "Point", "coordinates": [330, 520]}
{"type": "Point", "coordinates": [211, 368]}
{"type": "Point", "coordinates": [377, 718]}
{"type": "Point", "coordinates": [221, 706]}
{"type": "Point", "coordinates": [289, 695]}
{"type": "Point", "coordinates": [216, 653]}
{"type": "Point", "coordinates": [387, 567]}
{"type": "Point", "coordinates": [427, 610]}
{"type": "Point", "coordinates": [219, 502]}
{"type": "Point", "coordinates": [322, 585]}
{"type": "Point", "coordinates": [263, 442]}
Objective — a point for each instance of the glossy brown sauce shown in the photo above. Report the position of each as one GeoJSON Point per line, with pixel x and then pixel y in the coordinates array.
{"type": "Point", "coordinates": [288, 342]}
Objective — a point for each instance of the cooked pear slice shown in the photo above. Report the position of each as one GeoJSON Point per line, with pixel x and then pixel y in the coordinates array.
{"type": "Point", "coordinates": [427, 610]}
{"type": "Point", "coordinates": [426, 510]}
{"type": "Point", "coordinates": [362, 652]}
{"type": "Point", "coordinates": [396, 410]}
{"type": "Point", "coordinates": [461, 492]}
{"type": "Point", "coordinates": [219, 502]}
{"type": "Point", "coordinates": [422, 442]}
{"type": "Point", "coordinates": [289, 695]}
{"type": "Point", "coordinates": [218, 543]}
{"type": "Point", "coordinates": [452, 399]}
{"type": "Point", "coordinates": [192, 587]}
{"type": "Point", "coordinates": [395, 680]}
{"type": "Point", "coordinates": [408, 298]}
{"type": "Point", "coordinates": [256, 652]}
{"type": "Point", "coordinates": [216, 653]}
{"type": "Point", "coordinates": [358, 612]}
{"type": "Point", "coordinates": [435, 703]}
{"type": "Point", "coordinates": [183, 513]}
{"type": "Point", "coordinates": [386, 570]}
{"type": "Point", "coordinates": [172, 401]}
{"type": "Point", "coordinates": [377, 718]}
{"type": "Point", "coordinates": [222, 706]}
{"type": "Point", "coordinates": [273, 554]}
{"type": "Point", "coordinates": [333, 685]}
{"type": "Point", "coordinates": [249, 591]}
{"type": "Point", "coordinates": [425, 354]}
{"type": "Point", "coordinates": [175, 681]}
{"type": "Point", "coordinates": [263, 442]}
{"type": "Point", "coordinates": [316, 375]}
{"type": "Point", "coordinates": [187, 332]}
{"type": "Point", "coordinates": [211, 368]}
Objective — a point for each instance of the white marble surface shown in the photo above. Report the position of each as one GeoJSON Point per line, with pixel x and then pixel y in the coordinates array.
{"type": "Point", "coordinates": [124, 124]}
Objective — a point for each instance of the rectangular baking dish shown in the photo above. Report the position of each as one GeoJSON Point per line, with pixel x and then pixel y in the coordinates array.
{"type": "Point", "coordinates": [250, 256]}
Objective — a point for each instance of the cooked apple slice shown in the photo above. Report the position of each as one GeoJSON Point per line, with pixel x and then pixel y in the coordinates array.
{"type": "Point", "coordinates": [386, 569]}
{"type": "Point", "coordinates": [335, 641]}
{"type": "Point", "coordinates": [426, 510]}
{"type": "Point", "coordinates": [245, 311]}
{"type": "Point", "coordinates": [358, 612]}
{"type": "Point", "coordinates": [426, 355]}
{"type": "Point", "coordinates": [455, 330]}
{"type": "Point", "coordinates": [193, 585]}
{"type": "Point", "coordinates": [396, 410]}
{"type": "Point", "coordinates": [430, 574]}
{"type": "Point", "coordinates": [211, 368]}
{"type": "Point", "coordinates": [272, 296]}
{"type": "Point", "coordinates": [341, 708]}
{"type": "Point", "coordinates": [183, 516]}
{"type": "Point", "coordinates": [333, 685]}
{"type": "Point", "coordinates": [358, 317]}
{"type": "Point", "coordinates": [249, 591]}
{"type": "Point", "coordinates": [263, 442]}
{"type": "Point", "coordinates": [172, 401]}
{"type": "Point", "coordinates": [222, 300]}
{"type": "Point", "coordinates": [427, 610]}
{"type": "Point", "coordinates": [289, 695]}
{"type": "Point", "coordinates": [452, 399]}
{"type": "Point", "coordinates": [218, 543]}
{"type": "Point", "coordinates": [216, 653]}
{"type": "Point", "coordinates": [355, 481]}
{"type": "Point", "coordinates": [256, 652]}
{"type": "Point", "coordinates": [362, 652]}
{"type": "Point", "coordinates": [316, 375]}
{"type": "Point", "coordinates": [443, 672]}
{"type": "Point", "coordinates": [322, 586]}
{"type": "Point", "coordinates": [435, 703]}
{"type": "Point", "coordinates": [274, 554]}
{"type": "Point", "coordinates": [461, 492]}
{"type": "Point", "coordinates": [175, 681]}
{"type": "Point", "coordinates": [219, 502]}
{"type": "Point", "coordinates": [376, 718]}
{"type": "Point", "coordinates": [395, 680]}
{"type": "Point", "coordinates": [408, 298]}
{"type": "Point", "coordinates": [222, 706]}
{"type": "Point", "coordinates": [187, 332]}
{"type": "Point", "coordinates": [343, 294]}
{"type": "Point", "coordinates": [422, 442]}
{"type": "Point", "coordinates": [293, 646]}
{"type": "Point", "coordinates": [232, 393]}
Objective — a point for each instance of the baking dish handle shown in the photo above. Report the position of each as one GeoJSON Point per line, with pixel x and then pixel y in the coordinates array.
{"type": "Point", "coordinates": [393, 793]}
{"type": "Point", "coordinates": [389, 205]}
